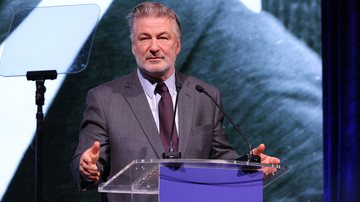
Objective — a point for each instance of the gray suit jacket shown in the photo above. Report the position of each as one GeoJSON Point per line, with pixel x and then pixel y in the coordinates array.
{"type": "Point", "coordinates": [118, 115]}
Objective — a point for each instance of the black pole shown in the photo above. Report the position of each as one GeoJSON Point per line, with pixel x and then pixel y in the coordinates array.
{"type": "Point", "coordinates": [39, 77]}
{"type": "Point", "coordinates": [39, 96]}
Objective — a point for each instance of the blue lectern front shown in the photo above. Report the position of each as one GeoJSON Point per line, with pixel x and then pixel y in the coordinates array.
{"type": "Point", "coordinates": [193, 180]}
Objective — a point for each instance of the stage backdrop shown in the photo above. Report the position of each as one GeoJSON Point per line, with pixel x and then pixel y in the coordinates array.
{"type": "Point", "coordinates": [270, 82]}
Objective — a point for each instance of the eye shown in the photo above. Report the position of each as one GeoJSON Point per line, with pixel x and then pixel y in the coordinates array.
{"type": "Point", "coordinates": [164, 37]}
{"type": "Point", "coordinates": [143, 38]}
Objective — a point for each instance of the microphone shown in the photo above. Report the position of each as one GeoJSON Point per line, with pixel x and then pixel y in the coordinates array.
{"type": "Point", "coordinates": [172, 154]}
{"type": "Point", "coordinates": [249, 157]}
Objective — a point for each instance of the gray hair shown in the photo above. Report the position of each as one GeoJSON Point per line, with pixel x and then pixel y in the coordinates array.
{"type": "Point", "coordinates": [147, 9]}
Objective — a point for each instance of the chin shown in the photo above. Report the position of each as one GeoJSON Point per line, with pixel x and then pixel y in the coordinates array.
{"type": "Point", "coordinates": [157, 69]}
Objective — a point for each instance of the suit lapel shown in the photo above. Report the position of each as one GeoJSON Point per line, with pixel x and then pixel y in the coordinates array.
{"type": "Point", "coordinates": [186, 106]}
{"type": "Point", "coordinates": [137, 100]}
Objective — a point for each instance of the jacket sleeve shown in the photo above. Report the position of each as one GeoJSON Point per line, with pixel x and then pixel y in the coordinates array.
{"type": "Point", "coordinates": [93, 128]}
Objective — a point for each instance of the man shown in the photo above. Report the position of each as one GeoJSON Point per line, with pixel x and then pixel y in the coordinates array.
{"type": "Point", "coordinates": [123, 119]}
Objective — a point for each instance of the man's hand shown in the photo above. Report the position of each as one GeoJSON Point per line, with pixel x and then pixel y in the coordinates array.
{"type": "Point", "coordinates": [265, 159]}
{"type": "Point", "coordinates": [88, 167]}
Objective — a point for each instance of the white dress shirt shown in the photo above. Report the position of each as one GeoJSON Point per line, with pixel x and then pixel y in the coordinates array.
{"type": "Point", "coordinates": [154, 98]}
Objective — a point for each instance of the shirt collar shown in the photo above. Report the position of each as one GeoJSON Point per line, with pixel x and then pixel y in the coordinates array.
{"type": "Point", "coordinates": [149, 88]}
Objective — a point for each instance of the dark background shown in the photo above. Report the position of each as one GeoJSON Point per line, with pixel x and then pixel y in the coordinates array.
{"type": "Point", "coordinates": [267, 68]}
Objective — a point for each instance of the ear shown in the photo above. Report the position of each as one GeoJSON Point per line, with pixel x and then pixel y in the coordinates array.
{"type": "Point", "coordinates": [132, 48]}
{"type": "Point", "coordinates": [178, 46]}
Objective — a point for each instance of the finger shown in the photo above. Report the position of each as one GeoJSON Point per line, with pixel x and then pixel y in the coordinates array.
{"type": "Point", "coordinates": [95, 148]}
{"type": "Point", "coordinates": [274, 160]}
{"type": "Point", "coordinates": [92, 171]}
{"type": "Point", "coordinates": [91, 155]}
{"type": "Point", "coordinates": [84, 172]}
{"type": "Point", "coordinates": [88, 166]}
{"type": "Point", "coordinates": [94, 152]}
{"type": "Point", "coordinates": [259, 149]}
{"type": "Point", "coordinates": [86, 157]}
{"type": "Point", "coordinates": [272, 170]}
{"type": "Point", "coordinates": [94, 177]}
{"type": "Point", "coordinates": [268, 171]}
{"type": "Point", "coordinates": [89, 172]}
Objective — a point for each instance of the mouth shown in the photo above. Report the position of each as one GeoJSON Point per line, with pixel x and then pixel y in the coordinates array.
{"type": "Point", "coordinates": [154, 58]}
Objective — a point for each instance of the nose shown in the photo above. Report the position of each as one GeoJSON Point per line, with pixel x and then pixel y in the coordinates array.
{"type": "Point", "coordinates": [154, 47]}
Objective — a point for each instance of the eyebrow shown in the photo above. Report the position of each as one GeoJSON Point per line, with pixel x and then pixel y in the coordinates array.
{"type": "Point", "coordinates": [161, 33]}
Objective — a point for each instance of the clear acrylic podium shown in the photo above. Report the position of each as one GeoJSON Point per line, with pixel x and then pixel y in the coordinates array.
{"type": "Point", "coordinates": [194, 179]}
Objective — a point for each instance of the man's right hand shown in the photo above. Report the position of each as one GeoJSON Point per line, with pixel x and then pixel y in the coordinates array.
{"type": "Point", "coordinates": [88, 167]}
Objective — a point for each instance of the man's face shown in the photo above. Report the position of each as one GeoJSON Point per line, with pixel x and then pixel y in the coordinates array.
{"type": "Point", "coordinates": [155, 46]}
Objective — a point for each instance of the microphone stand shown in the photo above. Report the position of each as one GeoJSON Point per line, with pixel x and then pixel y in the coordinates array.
{"type": "Point", "coordinates": [39, 77]}
{"type": "Point", "coordinates": [250, 157]}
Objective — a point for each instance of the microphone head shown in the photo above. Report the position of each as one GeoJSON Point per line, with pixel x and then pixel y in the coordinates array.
{"type": "Point", "coordinates": [178, 85]}
{"type": "Point", "coordinates": [199, 88]}
{"type": "Point", "coordinates": [178, 88]}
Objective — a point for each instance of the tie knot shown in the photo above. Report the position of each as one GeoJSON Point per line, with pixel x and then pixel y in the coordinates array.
{"type": "Point", "coordinates": [161, 88]}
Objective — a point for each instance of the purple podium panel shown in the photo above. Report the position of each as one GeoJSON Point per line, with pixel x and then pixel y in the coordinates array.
{"type": "Point", "coordinates": [194, 184]}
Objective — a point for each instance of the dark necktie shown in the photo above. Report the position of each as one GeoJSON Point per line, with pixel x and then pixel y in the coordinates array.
{"type": "Point", "coordinates": [166, 118]}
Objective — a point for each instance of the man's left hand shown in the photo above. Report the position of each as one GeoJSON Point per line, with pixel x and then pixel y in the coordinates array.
{"type": "Point", "coordinates": [266, 159]}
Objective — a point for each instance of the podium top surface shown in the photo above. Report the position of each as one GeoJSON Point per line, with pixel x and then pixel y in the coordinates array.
{"type": "Point", "coordinates": [142, 176]}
